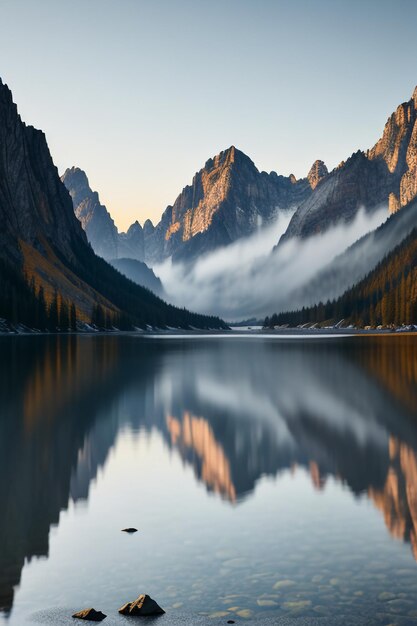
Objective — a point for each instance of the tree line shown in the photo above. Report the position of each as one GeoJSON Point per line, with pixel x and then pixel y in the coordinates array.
{"type": "Point", "coordinates": [138, 306]}
{"type": "Point", "coordinates": [386, 296]}
{"type": "Point", "coordinates": [22, 303]}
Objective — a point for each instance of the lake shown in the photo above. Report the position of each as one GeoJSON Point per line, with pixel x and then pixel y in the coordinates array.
{"type": "Point", "coordinates": [267, 477]}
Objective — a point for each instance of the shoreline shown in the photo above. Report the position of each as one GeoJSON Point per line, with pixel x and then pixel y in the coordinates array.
{"type": "Point", "coordinates": [232, 332]}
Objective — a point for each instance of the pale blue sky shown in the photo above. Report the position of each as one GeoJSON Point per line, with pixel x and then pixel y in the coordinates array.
{"type": "Point", "coordinates": [141, 93]}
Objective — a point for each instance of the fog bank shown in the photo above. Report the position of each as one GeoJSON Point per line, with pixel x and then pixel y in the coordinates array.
{"type": "Point", "coordinates": [251, 278]}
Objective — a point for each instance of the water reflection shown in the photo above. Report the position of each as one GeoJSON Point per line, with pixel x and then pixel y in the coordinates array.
{"type": "Point", "coordinates": [234, 411]}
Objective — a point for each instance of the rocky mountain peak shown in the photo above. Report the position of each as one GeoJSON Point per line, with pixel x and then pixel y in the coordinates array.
{"type": "Point", "coordinates": [227, 199]}
{"type": "Point", "coordinates": [76, 181]}
{"type": "Point", "coordinates": [386, 175]}
{"type": "Point", "coordinates": [148, 227]}
{"type": "Point", "coordinates": [393, 144]}
{"type": "Point", "coordinates": [134, 228]}
{"type": "Point", "coordinates": [398, 148]}
{"type": "Point", "coordinates": [317, 172]}
{"type": "Point", "coordinates": [95, 219]}
{"type": "Point", "coordinates": [414, 97]}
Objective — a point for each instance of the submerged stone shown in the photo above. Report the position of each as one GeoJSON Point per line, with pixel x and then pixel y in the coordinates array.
{"type": "Point", "coordinates": [219, 614]}
{"type": "Point", "coordinates": [90, 614]}
{"type": "Point", "coordinates": [385, 596]}
{"type": "Point", "coordinates": [266, 602]}
{"type": "Point", "coordinates": [246, 613]}
{"type": "Point", "coordinates": [143, 605]}
{"type": "Point", "coordinates": [282, 584]}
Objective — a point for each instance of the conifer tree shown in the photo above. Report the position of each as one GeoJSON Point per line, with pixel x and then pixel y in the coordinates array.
{"type": "Point", "coordinates": [64, 321]}
{"type": "Point", "coordinates": [73, 317]}
{"type": "Point", "coordinates": [54, 313]}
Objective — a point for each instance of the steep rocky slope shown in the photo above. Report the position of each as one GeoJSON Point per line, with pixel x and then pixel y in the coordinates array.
{"type": "Point", "coordinates": [97, 222]}
{"type": "Point", "coordinates": [384, 175]}
{"type": "Point", "coordinates": [95, 219]}
{"type": "Point", "coordinates": [387, 295]}
{"type": "Point", "coordinates": [34, 205]}
{"type": "Point", "coordinates": [41, 238]}
{"type": "Point", "coordinates": [228, 199]}
{"type": "Point", "coordinates": [354, 263]}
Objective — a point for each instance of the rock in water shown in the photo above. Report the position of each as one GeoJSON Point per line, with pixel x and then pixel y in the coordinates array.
{"type": "Point", "coordinates": [129, 530]}
{"type": "Point", "coordinates": [90, 614]}
{"type": "Point", "coordinates": [143, 605]}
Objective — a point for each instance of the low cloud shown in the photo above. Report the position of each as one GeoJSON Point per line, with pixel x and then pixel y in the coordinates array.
{"type": "Point", "coordinates": [251, 278]}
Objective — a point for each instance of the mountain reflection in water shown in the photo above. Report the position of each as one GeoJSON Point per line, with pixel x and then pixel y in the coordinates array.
{"type": "Point", "coordinates": [235, 411]}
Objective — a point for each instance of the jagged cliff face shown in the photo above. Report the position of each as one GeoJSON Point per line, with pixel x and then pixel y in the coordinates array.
{"type": "Point", "coordinates": [97, 222]}
{"type": "Point", "coordinates": [94, 217]}
{"type": "Point", "coordinates": [386, 174]}
{"type": "Point", "coordinates": [228, 199]}
{"type": "Point", "coordinates": [34, 206]}
{"type": "Point", "coordinates": [39, 233]}
{"type": "Point", "coordinates": [316, 174]}
{"type": "Point", "coordinates": [398, 149]}
{"type": "Point", "coordinates": [359, 182]}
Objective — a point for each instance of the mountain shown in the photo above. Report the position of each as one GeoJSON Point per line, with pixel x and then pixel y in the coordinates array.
{"type": "Point", "coordinates": [384, 175]}
{"type": "Point", "coordinates": [43, 243]}
{"type": "Point", "coordinates": [354, 263]}
{"type": "Point", "coordinates": [228, 199]}
{"type": "Point", "coordinates": [95, 219]}
{"type": "Point", "coordinates": [387, 295]}
{"type": "Point", "coordinates": [97, 222]}
{"type": "Point", "coordinates": [139, 273]}
{"type": "Point", "coordinates": [131, 244]}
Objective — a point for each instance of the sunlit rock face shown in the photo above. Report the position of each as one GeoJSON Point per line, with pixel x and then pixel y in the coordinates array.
{"type": "Point", "coordinates": [317, 172]}
{"type": "Point", "coordinates": [398, 148]}
{"type": "Point", "coordinates": [385, 175]}
{"type": "Point", "coordinates": [228, 199]}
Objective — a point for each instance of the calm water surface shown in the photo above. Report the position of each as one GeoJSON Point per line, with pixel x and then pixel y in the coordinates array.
{"type": "Point", "coordinates": [267, 477]}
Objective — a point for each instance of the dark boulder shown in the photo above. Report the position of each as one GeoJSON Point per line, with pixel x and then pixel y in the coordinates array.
{"type": "Point", "coordinates": [90, 614]}
{"type": "Point", "coordinates": [129, 530]}
{"type": "Point", "coordinates": [143, 605]}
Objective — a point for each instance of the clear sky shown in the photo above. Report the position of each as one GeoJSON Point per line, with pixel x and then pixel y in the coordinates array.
{"type": "Point", "coordinates": [141, 93]}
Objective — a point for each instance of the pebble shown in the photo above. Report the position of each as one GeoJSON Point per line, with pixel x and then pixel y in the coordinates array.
{"type": "Point", "coordinates": [282, 584]}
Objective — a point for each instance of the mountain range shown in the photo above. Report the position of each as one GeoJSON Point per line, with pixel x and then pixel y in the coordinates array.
{"type": "Point", "coordinates": [384, 175]}
{"type": "Point", "coordinates": [56, 235]}
{"type": "Point", "coordinates": [229, 198]}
